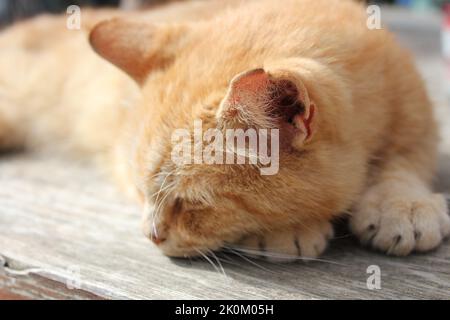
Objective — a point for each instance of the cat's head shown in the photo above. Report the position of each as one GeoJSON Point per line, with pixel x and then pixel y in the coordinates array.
{"type": "Point", "coordinates": [190, 75]}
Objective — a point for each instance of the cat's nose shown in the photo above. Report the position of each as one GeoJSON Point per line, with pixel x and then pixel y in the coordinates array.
{"type": "Point", "coordinates": [158, 235]}
{"type": "Point", "coordinates": [158, 238]}
{"type": "Point", "coordinates": [153, 230]}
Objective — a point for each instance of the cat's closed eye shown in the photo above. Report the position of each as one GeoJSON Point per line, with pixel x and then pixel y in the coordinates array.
{"type": "Point", "coordinates": [181, 205]}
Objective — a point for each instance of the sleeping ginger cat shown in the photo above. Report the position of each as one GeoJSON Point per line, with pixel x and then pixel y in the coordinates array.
{"type": "Point", "coordinates": [356, 128]}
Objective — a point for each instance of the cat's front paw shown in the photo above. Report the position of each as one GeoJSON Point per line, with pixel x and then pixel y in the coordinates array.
{"type": "Point", "coordinates": [401, 225]}
{"type": "Point", "coordinates": [288, 245]}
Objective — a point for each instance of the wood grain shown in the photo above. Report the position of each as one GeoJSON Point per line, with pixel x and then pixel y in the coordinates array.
{"type": "Point", "coordinates": [35, 287]}
{"type": "Point", "coordinates": [58, 216]}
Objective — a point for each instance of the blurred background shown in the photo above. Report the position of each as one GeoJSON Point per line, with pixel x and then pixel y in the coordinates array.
{"type": "Point", "coordinates": [11, 10]}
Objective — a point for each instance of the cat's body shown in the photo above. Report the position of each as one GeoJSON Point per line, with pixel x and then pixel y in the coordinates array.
{"type": "Point", "coordinates": [364, 138]}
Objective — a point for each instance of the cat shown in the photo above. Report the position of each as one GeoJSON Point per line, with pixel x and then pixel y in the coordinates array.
{"type": "Point", "coordinates": [357, 132]}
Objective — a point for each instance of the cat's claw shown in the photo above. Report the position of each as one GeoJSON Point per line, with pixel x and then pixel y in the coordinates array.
{"type": "Point", "coordinates": [402, 225]}
{"type": "Point", "coordinates": [288, 245]}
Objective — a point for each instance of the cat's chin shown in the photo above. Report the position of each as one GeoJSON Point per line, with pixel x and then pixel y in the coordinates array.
{"type": "Point", "coordinates": [174, 252]}
{"type": "Point", "coordinates": [176, 249]}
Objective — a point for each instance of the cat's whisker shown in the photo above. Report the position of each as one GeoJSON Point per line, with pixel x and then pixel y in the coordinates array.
{"type": "Point", "coordinates": [235, 262]}
{"type": "Point", "coordinates": [162, 173]}
{"type": "Point", "coordinates": [247, 259]}
{"type": "Point", "coordinates": [218, 262]}
{"type": "Point", "coordinates": [161, 190]}
{"type": "Point", "coordinates": [157, 211]}
{"type": "Point", "coordinates": [208, 259]}
{"type": "Point", "coordinates": [226, 259]}
{"type": "Point", "coordinates": [277, 255]}
{"type": "Point", "coordinates": [167, 175]}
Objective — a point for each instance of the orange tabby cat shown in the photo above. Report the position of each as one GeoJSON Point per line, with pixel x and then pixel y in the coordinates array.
{"type": "Point", "coordinates": [356, 127]}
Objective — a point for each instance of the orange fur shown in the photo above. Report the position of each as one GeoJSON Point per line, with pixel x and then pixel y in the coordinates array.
{"type": "Point", "coordinates": [374, 136]}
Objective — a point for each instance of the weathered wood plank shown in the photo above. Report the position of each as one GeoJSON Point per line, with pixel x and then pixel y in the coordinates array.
{"type": "Point", "coordinates": [58, 217]}
{"type": "Point", "coordinates": [34, 287]}
{"type": "Point", "coordinates": [42, 224]}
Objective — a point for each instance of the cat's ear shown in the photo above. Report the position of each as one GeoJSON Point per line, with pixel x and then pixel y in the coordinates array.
{"type": "Point", "coordinates": [261, 99]}
{"type": "Point", "coordinates": [135, 47]}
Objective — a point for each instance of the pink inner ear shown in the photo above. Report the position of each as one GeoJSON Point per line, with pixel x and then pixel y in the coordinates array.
{"type": "Point", "coordinates": [249, 86]}
{"type": "Point", "coordinates": [257, 98]}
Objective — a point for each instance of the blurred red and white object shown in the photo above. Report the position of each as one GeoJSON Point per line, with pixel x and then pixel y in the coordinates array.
{"type": "Point", "coordinates": [446, 32]}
